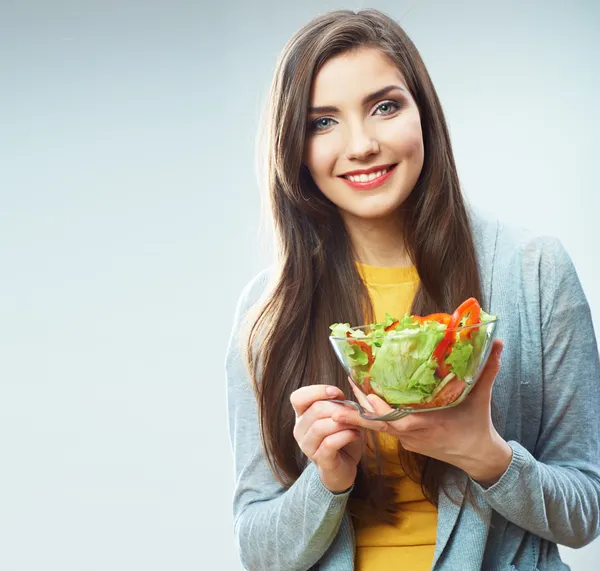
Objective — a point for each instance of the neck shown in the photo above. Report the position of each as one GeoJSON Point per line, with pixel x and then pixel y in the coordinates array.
{"type": "Point", "coordinates": [377, 242]}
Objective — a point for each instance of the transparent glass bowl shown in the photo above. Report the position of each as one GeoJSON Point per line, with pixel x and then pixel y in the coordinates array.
{"type": "Point", "coordinates": [396, 377]}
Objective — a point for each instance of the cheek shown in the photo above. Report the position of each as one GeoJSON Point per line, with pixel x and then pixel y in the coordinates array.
{"type": "Point", "coordinates": [408, 139]}
{"type": "Point", "coordinates": [320, 156]}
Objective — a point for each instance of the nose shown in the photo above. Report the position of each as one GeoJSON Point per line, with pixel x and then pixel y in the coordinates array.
{"type": "Point", "coordinates": [361, 144]}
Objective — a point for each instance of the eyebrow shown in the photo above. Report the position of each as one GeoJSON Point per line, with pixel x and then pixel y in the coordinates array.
{"type": "Point", "coordinates": [367, 99]}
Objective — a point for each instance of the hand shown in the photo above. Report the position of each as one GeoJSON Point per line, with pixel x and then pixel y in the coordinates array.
{"type": "Point", "coordinates": [335, 447]}
{"type": "Point", "coordinates": [463, 436]}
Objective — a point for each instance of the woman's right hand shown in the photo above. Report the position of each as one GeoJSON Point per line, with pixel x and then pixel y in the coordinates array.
{"type": "Point", "coordinates": [335, 447]}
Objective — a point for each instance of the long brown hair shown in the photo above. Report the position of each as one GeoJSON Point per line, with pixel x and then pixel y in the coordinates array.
{"type": "Point", "coordinates": [287, 345]}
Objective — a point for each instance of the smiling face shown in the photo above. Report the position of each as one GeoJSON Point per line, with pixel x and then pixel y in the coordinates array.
{"type": "Point", "coordinates": [364, 145]}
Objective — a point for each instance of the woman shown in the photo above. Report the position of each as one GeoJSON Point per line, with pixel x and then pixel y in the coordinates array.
{"type": "Point", "coordinates": [370, 219]}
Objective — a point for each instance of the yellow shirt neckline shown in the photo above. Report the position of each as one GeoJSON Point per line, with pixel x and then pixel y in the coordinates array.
{"type": "Point", "coordinates": [384, 275]}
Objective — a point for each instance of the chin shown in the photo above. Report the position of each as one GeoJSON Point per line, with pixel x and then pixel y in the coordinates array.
{"type": "Point", "coordinates": [373, 209]}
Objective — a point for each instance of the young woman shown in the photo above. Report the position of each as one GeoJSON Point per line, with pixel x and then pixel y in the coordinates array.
{"type": "Point", "coordinates": [370, 219]}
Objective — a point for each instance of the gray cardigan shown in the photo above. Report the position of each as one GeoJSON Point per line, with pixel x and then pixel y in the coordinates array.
{"type": "Point", "coordinates": [546, 403]}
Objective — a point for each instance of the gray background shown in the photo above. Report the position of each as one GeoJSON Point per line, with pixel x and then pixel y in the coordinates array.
{"type": "Point", "coordinates": [129, 212]}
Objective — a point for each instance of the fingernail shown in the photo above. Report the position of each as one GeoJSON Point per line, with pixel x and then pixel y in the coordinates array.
{"type": "Point", "coordinates": [331, 391]}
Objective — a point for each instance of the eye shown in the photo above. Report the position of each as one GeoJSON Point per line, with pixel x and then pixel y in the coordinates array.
{"type": "Point", "coordinates": [387, 108]}
{"type": "Point", "coordinates": [321, 123]}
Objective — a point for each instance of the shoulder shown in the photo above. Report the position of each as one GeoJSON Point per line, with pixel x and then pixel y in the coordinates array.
{"type": "Point", "coordinates": [250, 298]}
{"type": "Point", "coordinates": [254, 291]}
{"type": "Point", "coordinates": [519, 261]}
{"type": "Point", "coordinates": [508, 243]}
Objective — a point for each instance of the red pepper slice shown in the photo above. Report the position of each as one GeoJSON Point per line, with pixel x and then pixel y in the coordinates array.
{"type": "Point", "coordinates": [366, 348]}
{"type": "Point", "coordinates": [469, 307]}
{"type": "Point", "coordinates": [439, 317]}
{"type": "Point", "coordinates": [472, 309]}
{"type": "Point", "coordinates": [439, 355]}
{"type": "Point", "coordinates": [392, 326]}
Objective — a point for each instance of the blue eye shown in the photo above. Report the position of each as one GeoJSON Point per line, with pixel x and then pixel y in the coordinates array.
{"type": "Point", "coordinates": [321, 124]}
{"type": "Point", "coordinates": [387, 108]}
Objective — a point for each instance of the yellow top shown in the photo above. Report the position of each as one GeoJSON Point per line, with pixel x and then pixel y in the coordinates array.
{"type": "Point", "coordinates": [409, 544]}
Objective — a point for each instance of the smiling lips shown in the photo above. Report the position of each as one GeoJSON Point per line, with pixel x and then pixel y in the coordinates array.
{"type": "Point", "coordinates": [369, 178]}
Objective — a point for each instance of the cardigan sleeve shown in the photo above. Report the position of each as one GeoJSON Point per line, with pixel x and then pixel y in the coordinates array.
{"type": "Point", "coordinates": [275, 527]}
{"type": "Point", "coordinates": [555, 492]}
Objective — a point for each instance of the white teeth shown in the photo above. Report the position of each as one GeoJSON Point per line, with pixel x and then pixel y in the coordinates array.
{"type": "Point", "coordinates": [366, 177]}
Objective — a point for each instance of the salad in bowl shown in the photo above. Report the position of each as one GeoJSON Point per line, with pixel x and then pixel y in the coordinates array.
{"type": "Point", "coordinates": [418, 363]}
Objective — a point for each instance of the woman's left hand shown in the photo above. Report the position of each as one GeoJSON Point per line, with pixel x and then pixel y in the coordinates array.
{"type": "Point", "coordinates": [463, 436]}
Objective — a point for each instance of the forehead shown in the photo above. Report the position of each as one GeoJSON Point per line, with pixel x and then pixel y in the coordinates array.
{"type": "Point", "coordinates": [347, 77]}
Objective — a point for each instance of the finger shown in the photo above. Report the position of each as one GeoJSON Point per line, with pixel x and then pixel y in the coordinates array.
{"type": "Point", "coordinates": [396, 428]}
{"type": "Point", "coordinates": [348, 416]}
{"type": "Point", "coordinates": [409, 423]}
{"type": "Point", "coordinates": [325, 455]}
{"type": "Point", "coordinates": [318, 410]}
{"type": "Point", "coordinates": [360, 396]}
{"type": "Point", "coordinates": [378, 405]}
{"type": "Point", "coordinates": [303, 397]}
{"type": "Point", "coordinates": [319, 431]}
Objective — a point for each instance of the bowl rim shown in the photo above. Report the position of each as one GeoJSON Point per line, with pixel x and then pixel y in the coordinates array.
{"type": "Point", "coordinates": [407, 332]}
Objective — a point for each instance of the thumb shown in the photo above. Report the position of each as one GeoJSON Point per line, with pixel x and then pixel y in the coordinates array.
{"type": "Point", "coordinates": [483, 386]}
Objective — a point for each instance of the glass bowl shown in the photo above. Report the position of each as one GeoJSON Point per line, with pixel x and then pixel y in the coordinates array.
{"type": "Point", "coordinates": [405, 369]}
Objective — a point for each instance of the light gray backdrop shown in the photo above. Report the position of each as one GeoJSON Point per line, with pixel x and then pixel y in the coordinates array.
{"type": "Point", "coordinates": [128, 226]}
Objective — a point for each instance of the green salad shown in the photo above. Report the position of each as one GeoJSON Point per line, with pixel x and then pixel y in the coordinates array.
{"type": "Point", "coordinates": [416, 360]}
